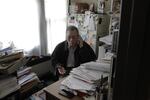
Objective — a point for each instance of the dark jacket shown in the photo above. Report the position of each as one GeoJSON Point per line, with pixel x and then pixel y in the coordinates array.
{"type": "Point", "coordinates": [82, 55]}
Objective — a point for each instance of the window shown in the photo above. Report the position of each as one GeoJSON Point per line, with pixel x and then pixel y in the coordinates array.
{"type": "Point", "coordinates": [56, 14]}
{"type": "Point", "coordinates": [19, 22]}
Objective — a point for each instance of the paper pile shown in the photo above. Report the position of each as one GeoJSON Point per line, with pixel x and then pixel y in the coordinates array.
{"type": "Point", "coordinates": [102, 67]}
{"type": "Point", "coordinates": [107, 58]}
{"type": "Point", "coordinates": [25, 76]}
{"type": "Point", "coordinates": [107, 39]}
{"type": "Point", "coordinates": [85, 77]}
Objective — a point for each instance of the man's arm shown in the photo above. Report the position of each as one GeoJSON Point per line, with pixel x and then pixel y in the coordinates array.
{"type": "Point", "coordinates": [55, 55]}
{"type": "Point", "coordinates": [56, 60]}
{"type": "Point", "coordinates": [86, 53]}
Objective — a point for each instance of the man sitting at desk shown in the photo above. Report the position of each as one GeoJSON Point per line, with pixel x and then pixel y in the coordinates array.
{"type": "Point", "coordinates": [71, 53]}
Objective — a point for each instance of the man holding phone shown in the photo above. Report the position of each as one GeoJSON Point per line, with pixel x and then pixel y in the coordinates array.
{"type": "Point", "coordinates": [71, 53]}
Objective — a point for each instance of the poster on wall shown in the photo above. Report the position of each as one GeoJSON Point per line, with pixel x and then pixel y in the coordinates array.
{"type": "Point", "coordinates": [101, 6]}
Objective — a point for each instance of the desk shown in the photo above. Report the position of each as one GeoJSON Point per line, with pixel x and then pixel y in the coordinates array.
{"type": "Point", "coordinates": [52, 92]}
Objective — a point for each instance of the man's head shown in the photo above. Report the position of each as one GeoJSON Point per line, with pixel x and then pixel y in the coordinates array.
{"type": "Point", "coordinates": [72, 36]}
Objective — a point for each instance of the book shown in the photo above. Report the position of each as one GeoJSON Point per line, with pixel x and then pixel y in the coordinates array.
{"type": "Point", "coordinates": [8, 84]}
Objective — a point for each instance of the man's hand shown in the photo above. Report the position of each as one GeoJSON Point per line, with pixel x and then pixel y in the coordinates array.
{"type": "Point", "coordinates": [61, 70]}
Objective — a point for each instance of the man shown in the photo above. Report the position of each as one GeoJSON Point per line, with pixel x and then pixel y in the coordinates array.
{"type": "Point", "coordinates": [71, 53]}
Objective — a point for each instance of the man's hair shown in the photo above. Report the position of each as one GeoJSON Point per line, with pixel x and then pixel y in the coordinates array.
{"type": "Point", "coordinates": [72, 28]}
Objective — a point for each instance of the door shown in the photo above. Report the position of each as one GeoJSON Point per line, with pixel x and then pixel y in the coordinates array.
{"type": "Point", "coordinates": [131, 81]}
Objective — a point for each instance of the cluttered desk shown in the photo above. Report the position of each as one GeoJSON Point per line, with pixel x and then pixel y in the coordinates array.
{"type": "Point", "coordinates": [89, 81]}
{"type": "Point", "coordinates": [53, 92]}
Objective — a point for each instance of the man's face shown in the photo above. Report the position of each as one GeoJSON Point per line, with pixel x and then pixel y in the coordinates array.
{"type": "Point", "coordinates": [72, 38]}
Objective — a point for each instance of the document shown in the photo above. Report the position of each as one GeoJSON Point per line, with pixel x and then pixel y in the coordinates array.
{"type": "Point", "coordinates": [76, 84]}
{"type": "Point", "coordinates": [107, 56]}
{"type": "Point", "coordinates": [24, 79]}
{"type": "Point", "coordinates": [23, 71]}
{"type": "Point", "coordinates": [99, 66]}
{"type": "Point", "coordinates": [88, 75]}
{"type": "Point", "coordinates": [107, 39]}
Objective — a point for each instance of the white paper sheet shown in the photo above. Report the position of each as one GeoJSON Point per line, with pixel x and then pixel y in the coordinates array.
{"type": "Point", "coordinates": [104, 67]}
{"type": "Point", "coordinates": [107, 39]}
{"type": "Point", "coordinates": [76, 84]}
{"type": "Point", "coordinates": [88, 75]}
{"type": "Point", "coordinates": [26, 78]}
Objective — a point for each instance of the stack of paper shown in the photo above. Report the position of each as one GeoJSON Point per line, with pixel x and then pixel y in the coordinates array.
{"type": "Point", "coordinates": [24, 71]}
{"type": "Point", "coordinates": [88, 75]}
{"type": "Point", "coordinates": [104, 67]}
{"type": "Point", "coordinates": [76, 84]}
{"type": "Point", "coordinates": [107, 39]}
{"type": "Point", "coordinates": [85, 77]}
{"type": "Point", "coordinates": [8, 84]}
{"type": "Point", "coordinates": [26, 76]}
{"type": "Point", "coordinates": [107, 57]}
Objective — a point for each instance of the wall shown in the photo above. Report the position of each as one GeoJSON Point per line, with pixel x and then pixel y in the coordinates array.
{"type": "Point", "coordinates": [107, 6]}
{"type": "Point", "coordinates": [86, 1]}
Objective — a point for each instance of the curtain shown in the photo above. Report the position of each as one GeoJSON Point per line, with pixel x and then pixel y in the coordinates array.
{"type": "Point", "coordinates": [19, 23]}
{"type": "Point", "coordinates": [56, 14]}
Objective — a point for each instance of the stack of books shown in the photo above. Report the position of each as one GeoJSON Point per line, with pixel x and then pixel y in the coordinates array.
{"type": "Point", "coordinates": [11, 62]}
{"type": "Point", "coordinates": [8, 84]}
{"type": "Point", "coordinates": [27, 79]}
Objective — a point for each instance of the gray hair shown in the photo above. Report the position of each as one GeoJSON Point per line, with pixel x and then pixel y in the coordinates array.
{"type": "Point", "coordinates": [72, 28]}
